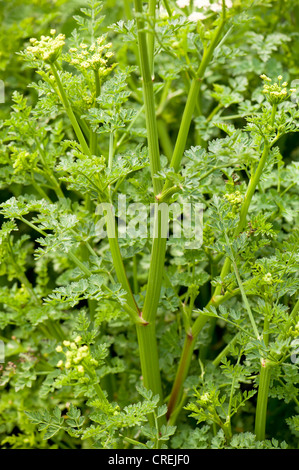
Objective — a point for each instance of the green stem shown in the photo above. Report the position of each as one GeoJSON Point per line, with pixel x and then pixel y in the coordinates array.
{"type": "Point", "coordinates": [185, 125]}
{"type": "Point", "coordinates": [230, 404]}
{"type": "Point", "coordinates": [266, 325]}
{"type": "Point", "coordinates": [295, 311]}
{"type": "Point", "coordinates": [79, 263]}
{"type": "Point", "coordinates": [111, 150]}
{"type": "Point", "coordinates": [225, 350]}
{"type": "Point", "coordinates": [167, 7]}
{"type": "Point", "coordinates": [166, 194]}
{"type": "Point", "coordinates": [186, 355]}
{"type": "Point", "coordinates": [245, 300]}
{"type": "Point", "coordinates": [175, 163]}
{"type": "Point", "coordinates": [262, 400]}
{"type": "Point", "coordinates": [146, 335]}
{"type": "Point", "coordinates": [135, 275]}
{"type": "Point", "coordinates": [39, 189]}
{"type": "Point", "coordinates": [149, 102]}
{"type": "Point", "coordinates": [25, 221]}
{"type": "Point", "coordinates": [117, 258]}
{"type": "Point", "coordinates": [159, 243]}
{"type": "Point", "coordinates": [98, 389]}
{"type": "Point", "coordinates": [164, 138]}
{"type": "Point", "coordinates": [93, 134]}
{"type": "Point", "coordinates": [148, 353]}
{"type": "Point", "coordinates": [156, 269]}
{"type": "Point", "coordinates": [151, 35]}
{"type": "Point", "coordinates": [69, 111]}
{"type": "Point", "coordinates": [181, 375]}
{"type": "Point", "coordinates": [214, 112]}
{"type": "Point", "coordinates": [192, 99]}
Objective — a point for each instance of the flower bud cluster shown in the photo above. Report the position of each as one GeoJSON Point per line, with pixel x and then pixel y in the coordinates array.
{"type": "Point", "coordinates": [268, 279]}
{"type": "Point", "coordinates": [207, 401]}
{"type": "Point", "coordinates": [276, 92]}
{"type": "Point", "coordinates": [94, 57]}
{"type": "Point", "coordinates": [23, 161]}
{"type": "Point", "coordinates": [235, 198]}
{"type": "Point", "coordinates": [204, 399]}
{"type": "Point", "coordinates": [48, 48]}
{"type": "Point", "coordinates": [208, 235]}
{"type": "Point", "coordinates": [22, 295]}
{"type": "Point", "coordinates": [75, 355]}
{"type": "Point", "coordinates": [295, 331]}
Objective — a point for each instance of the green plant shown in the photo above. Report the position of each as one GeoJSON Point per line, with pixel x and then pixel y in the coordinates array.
{"type": "Point", "coordinates": [101, 301]}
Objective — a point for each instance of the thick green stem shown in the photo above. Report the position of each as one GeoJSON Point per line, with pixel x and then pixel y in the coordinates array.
{"type": "Point", "coordinates": [146, 334]}
{"type": "Point", "coordinates": [149, 102]}
{"type": "Point", "coordinates": [156, 269]}
{"type": "Point", "coordinates": [151, 35]}
{"type": "Point", "coordinates": [159, 243]}
{"type": "Point", "coordinates": [135, 275]}
{"type": "Point", "coordinates": [192, 99]}
{"type": "Point", "coordinates": [181, 375]}
{"type": "Point", "coordinates": [185, 124]}
{"type": "Point", "coordinates": [262, 400]}
{"type": "Point", "coordinates": [148, 353]}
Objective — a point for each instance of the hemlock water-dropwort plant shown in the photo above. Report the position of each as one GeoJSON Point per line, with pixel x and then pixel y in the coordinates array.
{"type": "Point", "coordinates": [149, 237]}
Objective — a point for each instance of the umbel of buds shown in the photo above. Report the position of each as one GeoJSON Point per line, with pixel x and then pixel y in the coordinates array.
{"type": "Point", "coordinates": [76, 356]}
{"type": "Point", "coordinates": [94, 57]}
{"type": "Point", "coordinates": [48, 48]}
{"type": "Point", "coordinates": [235, 199]}
{"type": "Point", "coordinates": [276, 92]}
